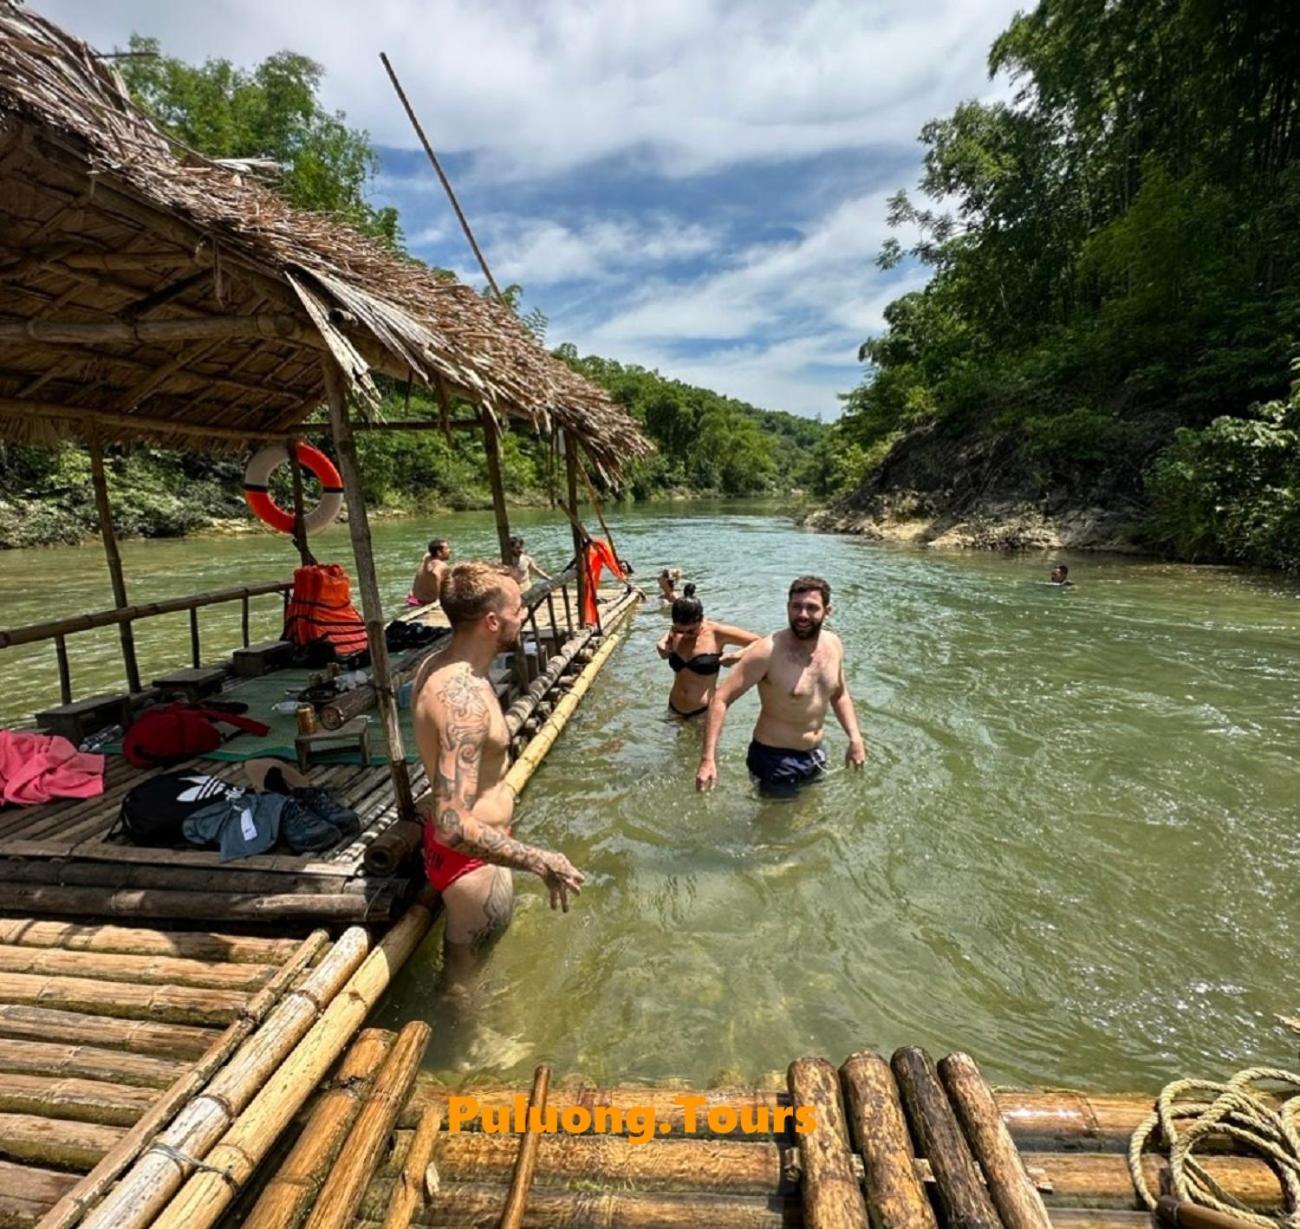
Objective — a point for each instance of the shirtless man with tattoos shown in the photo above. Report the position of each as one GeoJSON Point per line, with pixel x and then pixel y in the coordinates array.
{"type": "Point", "coordinates": [800, 674]}
{"type": "Point", "coordinates": [461, 733]}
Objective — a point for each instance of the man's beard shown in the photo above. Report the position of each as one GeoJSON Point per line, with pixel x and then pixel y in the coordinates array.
{"type": "Point", "coordinates": [807, 633]}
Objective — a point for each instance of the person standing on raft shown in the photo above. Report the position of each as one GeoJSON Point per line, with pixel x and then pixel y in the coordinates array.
{"type": "Point", "coordinates": [461, 735]}
{"type": "Point", "coordinates": [433, 571]}
{"type": "Point", "coordinates": [800, 674]}
{"type": "Point", "coordinates": [693, 648]}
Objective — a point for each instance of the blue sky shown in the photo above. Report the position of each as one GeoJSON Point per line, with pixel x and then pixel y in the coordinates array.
{"type": "Point", "coordinates": [694, 185]}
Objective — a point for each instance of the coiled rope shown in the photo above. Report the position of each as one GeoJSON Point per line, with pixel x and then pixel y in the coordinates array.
{"type": "Point", "coordinates": [1190, 1112]}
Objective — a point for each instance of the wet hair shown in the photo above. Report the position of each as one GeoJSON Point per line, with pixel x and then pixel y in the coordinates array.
{"type": "Point", "coordinates": [688, 608]}
{"type": "Point", "coordinates": [436, 544]}
{"type": "Point", "coordinates": [470, 590]}
{"type": "Point", "coordinates": [811, 584]}
{"type": "Point", "coordinates": [516, 542]}
{"type": "Point", "coordinates": [1062, 568]}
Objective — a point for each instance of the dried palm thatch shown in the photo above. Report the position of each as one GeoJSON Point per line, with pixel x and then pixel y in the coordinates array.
{"type": "Point", "coordinates": [146, 294]}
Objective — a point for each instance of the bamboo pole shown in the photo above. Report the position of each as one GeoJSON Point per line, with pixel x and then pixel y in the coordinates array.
{"type": "Point", "coordinates": [939, 1139]}
{"type": "Point", "coordinates": [895, 1196]}
{"type": "Point", "coordinates": [392, 847]}
{"type": "Point", "coordinates": [343, 1190]}
{"type": "Point", "coordinates": [55, 1141]}
{"type": "Point", "coordinates": [90, 1062]}
{"type": "Point", "coordinates": [73, 1097]}
{"type": "Point", "coordinates": [1009, 1186]}
{"type": "Point", "coordinates": [137, 941]}
{"type": "Point", "coordinates": [203, 1199]}
{"type": "Point", "coordinates": [173, 1004]}
{"type": "Point", "coordinates": [99, 481]}
{"type": "Point", "coordinates": [526, 705]}
{"type": "Point", "coordinates": [532, 755]}
{"type": "Point", "coordinates": [288, 1197]}
{"type": "Point", "coordinates": [831, 1196]}
{"type": "Point", "coordinates": [408, 1190]}
{"type": "Point", "coordinates": [526, 1162]}
{"type": "Point", "coordinates": [26, 1192]}
{"type": "Point", "coordinates": [141, 970]}
{"type": "Point", "coordinates": [135, 1036]}
{"type": "Point", "coordinates": [182, 904]}
{"type": "Point", "coordinates": [146, 332]}
{"type": "Point", "coordinates": [371, 603]}
{"type": "Point", "coordinates": [305, 557]}
{"type": "Point", "coordinates": [492, 452]}
{"type": "Point", "coordinates": [575, 523]}
{"type": "Point", "coordinates": [595, 503]}
{"type": "Point", "coordinates": [170, 1157]}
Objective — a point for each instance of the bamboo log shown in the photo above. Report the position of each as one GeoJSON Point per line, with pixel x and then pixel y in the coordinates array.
{"type": "Point", "coordinates": [524, 707]}
{"type": "Point", "coordinates": [100, 420]}
{"type": "Point", "coordinates": [173, 1004]}
{"type": "Point", "coordinates": [526, 1162]}
{"type": "Point", "coordinates": [464, 1205]}
{"type": "Point", "coordinates": [203, 1199]}
{"type": "Point", "coordinates": [391, 848]}
{"type": "Point", "coordinates": [158, 1173]}
{"type": "Point", "coordinates": [832, 1198]}
{"type": "Point", "coordinates": [139, 1037]}
{"type": "Point", "coordinates": [71, 1097]}
{"type": "Point", "coordinates": [1102, 1180]}
{"type": "Point", "coordinates": [895, 1197]}
{"type": "Point", "coordinates": [32, 632]}
{"type": "Point", "coordinates": [362, 699]}
{"type": "Point", "coordinates": [1009, 1186]}
{"type": "Point", "coordinates": [88, 1062]}
{"type": "Point", "coordinates": [531, 756]}
{"type": "Point", "coordinates": [26, 1192]}
{"type": "Point", "coordinates": [408, 1190]}
{"type": "Point", "coordinates": [146, 332]}
{"type": "Point", "coordinates": [55, 1141]}
{"type": "Point", "coordinates": [184, 905]}
{"type": "Point", "coordinates": [141, 970]}
{"type": "Point", "coordinates": [287, 1197]}
{"type": "Point", "coordinates": [571, 509]}
{"type": "Point", "coordinates": [99, 481]}
{"type": "Point", "coordinates": [130, 941]}
{"type": "Point", "coordinates": [341, 1195]}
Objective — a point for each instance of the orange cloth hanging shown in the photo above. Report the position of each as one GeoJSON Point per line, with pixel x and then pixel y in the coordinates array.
{"type": "Point", "coordinates": [596, 555]}
{"type": "Point", "coordinates": [320, 608]}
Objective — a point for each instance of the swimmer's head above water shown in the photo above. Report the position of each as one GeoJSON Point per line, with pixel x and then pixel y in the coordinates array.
{"type": "Point", "coordinates": [688, 611]}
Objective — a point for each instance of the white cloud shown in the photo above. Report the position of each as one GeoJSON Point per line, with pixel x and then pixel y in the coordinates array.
{"type": "Point", "coordinates": [689, 84]}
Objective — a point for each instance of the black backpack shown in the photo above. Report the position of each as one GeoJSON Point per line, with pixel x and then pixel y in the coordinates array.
{"type": "Point", "coordinates": [153, 811]}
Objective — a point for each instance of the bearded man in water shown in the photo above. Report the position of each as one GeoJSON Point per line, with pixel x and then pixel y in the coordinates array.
{"type": "Point", "coordinates": [461, 733]}
{"type": "Point", "coordinates": [799, 672]}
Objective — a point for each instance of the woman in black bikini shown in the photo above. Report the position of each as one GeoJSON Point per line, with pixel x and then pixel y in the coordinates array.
{"type": "Point", "coordinates": [693, 648]}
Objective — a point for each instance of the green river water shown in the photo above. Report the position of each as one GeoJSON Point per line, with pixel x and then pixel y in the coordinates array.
{"type": "Point", "coordinates": [1072, 853]}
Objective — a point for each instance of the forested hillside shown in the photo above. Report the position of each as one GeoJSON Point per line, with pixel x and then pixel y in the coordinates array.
{"type": "Point", "coordinates": [1115, 302]}
{"type": "Point", "coordinates": [709, 444]}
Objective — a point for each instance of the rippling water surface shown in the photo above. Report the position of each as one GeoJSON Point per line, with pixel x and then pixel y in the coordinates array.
{"type": "Point", "coordinates": [1072, 853]}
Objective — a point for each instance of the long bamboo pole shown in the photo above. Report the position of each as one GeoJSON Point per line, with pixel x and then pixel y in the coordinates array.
{"type": "Point", "coordinates": [187, 328]}
{"type": "Point", "coordinates": [174, 1154]}
{"type": "Point", "coordinates": [89, 1062]}
{"type": "Point", "coordinates": [526, 1162]}
{"type": "Point", "coordinates": [532, 755]}
{"type": "Point", "coordinates": [832, 1198]}
{"type": "Point", "coordinates": [408, 1190]}
{"type": "Point", "coordinates": [575, 522]}
{"type": "Point", "coordinates": [204, 1198]}
{"type": "Point", "coordinates": [595, 503]}
{"type": "Point", "coordinates": [288, 1197]}
{"type": "Point", "coordinates": [99, 480]}
{"type": "Point", "coordinates": [134, 1036]}
{"type": "Point", "coordinates": [492, 452]}
{"type": "Point", "coordinates": [139, 941]}
{"type": "Point", "coordinates": [343, 1190]}
{"type": "Point", "coordinates": [371, 604]}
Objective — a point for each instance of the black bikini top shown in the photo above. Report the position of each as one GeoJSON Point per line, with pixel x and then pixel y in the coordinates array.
{"type": "Point", "coordinates": [701, 663]}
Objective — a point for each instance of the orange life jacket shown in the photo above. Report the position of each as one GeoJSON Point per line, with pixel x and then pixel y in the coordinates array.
{"type": "Point", "coordinates": [320, 608]}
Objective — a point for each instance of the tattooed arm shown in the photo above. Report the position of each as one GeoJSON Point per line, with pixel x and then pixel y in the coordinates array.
{"type": "Point", "coordinates": [466, 818]}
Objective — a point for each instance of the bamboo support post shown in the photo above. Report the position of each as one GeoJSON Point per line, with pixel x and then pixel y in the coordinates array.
{"type": "Point", "coordinates": [196, 650]}
{"type": "Point", "coordinates": [939, 1139]}
{"type": "Point", "coordinates": [575, 522]}
{"type": "Point", "coordinates": [409, 1189]}
{"type": "Point", "coordinates": [895, 1196]}
{"type": "Point", "coordinates": [305, 556]}
{"type": "Point", "coordinates": [371, 604]}
{"type": "Point", "coordinates": [595, 503]}
{"type": "Point", "coordinates": [224, 1089]}
{"type": "Point", "coordinates": [288, 1197]}
{"type": "Point", "coordinates": [65, 671]}
{"type": "Point", "coordinates": [523, 768]}
{"type": "Point", "coordinates": [831, 1196]}
{"type": "Point", "coordinates": [492, 453]}
{"type": "Point", "coordinates": [346, 1185]}
{"type": "Point", "coordinates": [99, 481]}
{"type": "Point", "coordinates": [204, 1198]}
{"type": "Point", "coordinates": [526, 1162]}
{"type": "Point", "coordinates": [1009, 1186]}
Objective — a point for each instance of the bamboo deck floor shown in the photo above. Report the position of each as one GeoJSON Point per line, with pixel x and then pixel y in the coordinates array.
{"type": "Point", "coordinates": [98, 1022]}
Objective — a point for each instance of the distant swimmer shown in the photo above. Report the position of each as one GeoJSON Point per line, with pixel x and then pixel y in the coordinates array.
{"type": "Point", "coordinates": [523, 565]}
{"type": "Point", "coordinates": [1061, 576]}
{"type": "Point", "coordinates": [433, 571]}
{"type": "Point", "coordinates": [668, 579]}
{"type": "Point", "coordinates": [800, 674]}
{"type": "Point", "coordinates": [693, 648]}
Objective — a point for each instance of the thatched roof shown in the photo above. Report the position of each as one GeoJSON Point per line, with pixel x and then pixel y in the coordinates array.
{"type": "Point", "coordinates": [144, 294]}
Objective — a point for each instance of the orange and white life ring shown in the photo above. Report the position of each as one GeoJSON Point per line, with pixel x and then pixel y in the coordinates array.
{"type": "Point", "coordinates": [257, 480]}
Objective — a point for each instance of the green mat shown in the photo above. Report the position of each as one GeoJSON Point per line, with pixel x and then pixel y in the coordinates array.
{"type": "Point", "coordinates": [260, 694]}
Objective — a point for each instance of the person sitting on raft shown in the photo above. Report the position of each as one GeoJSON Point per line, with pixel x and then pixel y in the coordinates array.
{"type": "Point", "coordinates": [522, 565]}
{"type": "Point", "coordinates": [693, 648]}
{"type": "Point", "coordinates": [433, 571]}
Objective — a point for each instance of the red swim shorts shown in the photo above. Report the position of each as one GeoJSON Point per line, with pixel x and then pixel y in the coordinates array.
{"type": "Point", "coordinates": [444, 865]}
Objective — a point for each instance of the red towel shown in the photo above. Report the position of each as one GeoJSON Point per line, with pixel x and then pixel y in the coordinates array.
{"type": "Point", "coordinates": [36, 768]}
